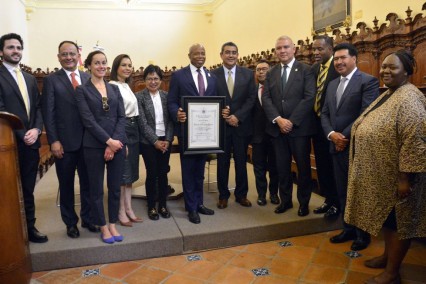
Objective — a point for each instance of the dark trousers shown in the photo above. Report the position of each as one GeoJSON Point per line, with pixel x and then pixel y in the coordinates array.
{"type": "Point", "coordinates": [96, 163]}
{"type": "Point", "coordinates": [28, 165]}
{"type": "Point", "coordinates": [236, 145]}
{"type": "Point", "coordinates": [65, 170]}
{"type": "Point", "coordinates": [324, 164]}
{"type": "Point", "coordinates": [263, 157]}
{"type": "Point", "coordinates": [157, 167]}
{"type": "Point", "coordinates": [299, 148]}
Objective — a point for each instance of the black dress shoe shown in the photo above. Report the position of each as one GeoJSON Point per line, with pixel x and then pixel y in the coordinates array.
{"type": "Point", "coordinates": [35, 236]}
{"type": "Point", "coordinates": [303, 210]}
{"type": "Point", "coordinates": [170, 190]}
{"type": "Point", "coordinates": [275, 199]}
{"type": "Point", "coordinates": [332, 213]}
{"type": "Point", "coordinates": [92, 228]}
{"type": "Point", "coordinates": [72, 231]}
{"type": "Point", "coordinates": [361, 243]}
{"type": "Point", "coordinates": [153, 215]}
{"type": "Point", "coordinates": [205, 211]}
{"type": "Point", "coordinates": [164, 212]}
{"type": "Point", "coordinates": [283, 207]}
{"type": "Point", "coordinates": [344, 236]}
{"type": "Point", "coordinates": [194, 217]}
{"type": "Point", "coordinates": [322, 209]}
{"type": "Point", "coordinates": [261, 201]}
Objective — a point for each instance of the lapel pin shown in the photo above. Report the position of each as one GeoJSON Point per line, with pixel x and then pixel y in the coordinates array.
{"type": "Point", "coordinates": [208, 74]}
{"type": "Point", "coordinates": [295, 69]}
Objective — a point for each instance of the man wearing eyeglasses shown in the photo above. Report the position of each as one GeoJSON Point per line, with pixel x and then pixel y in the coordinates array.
{"type": "Point", "coordinates": [65, 133]}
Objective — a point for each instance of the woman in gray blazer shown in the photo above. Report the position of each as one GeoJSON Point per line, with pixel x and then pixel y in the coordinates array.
{"type": "Point", "coordinates": [156, 137]}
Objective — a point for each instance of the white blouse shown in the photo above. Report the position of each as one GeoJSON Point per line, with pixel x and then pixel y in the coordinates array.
{"type": "Point", "coordinates": [129, 99]}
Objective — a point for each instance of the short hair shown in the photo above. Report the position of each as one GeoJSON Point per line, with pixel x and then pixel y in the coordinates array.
{"type": "Point", "coordinates": [262, 61]}
{"type": "Point", "coordinates": [115, 65]}
{"type": "Point", "coordinates": [328, 40]}
{"type": "Point", "coordinates": [89, 58]}
{"type": "Point", "coordinates": [284, 37]}
{"type": "Point", "coordinates": [10, 36]}
{"type": "Point", "coordinates": [407, 60]}
{"type": "Point", "coordinates": [152, 69]}
{"type": "Point", "coordinates": [229, 43]}
{"type": "Point", "coordinates": [351, 49]}
{"type": "Point", "coordinates": [70, 42]}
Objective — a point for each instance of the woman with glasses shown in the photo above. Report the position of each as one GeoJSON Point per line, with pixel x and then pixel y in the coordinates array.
{"type": "Point", "coordinates": [120, 75]}
{"type": "Point", "coordinates": [102, 112]}
{"type": "Point", "coordinates": [156, 136]}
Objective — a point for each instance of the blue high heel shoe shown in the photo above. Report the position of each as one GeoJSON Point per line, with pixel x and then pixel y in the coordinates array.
{"type": "Point", "coordinates": [108, 240]}
{"type": "Point", "coordinates": [118, 238]}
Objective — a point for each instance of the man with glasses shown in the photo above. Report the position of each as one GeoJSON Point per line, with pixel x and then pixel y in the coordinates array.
{"type": "Point", "coordinates": [65, 134]}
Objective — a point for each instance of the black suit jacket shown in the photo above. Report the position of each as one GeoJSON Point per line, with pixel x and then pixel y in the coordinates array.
{"type": "Point", "coordinates": [101, 125]}
{"type": "Point", "coordinates": [60, 113]}
{"type": "Point", "coordinates": [11, 101]}
{"type": "Point", "coordinates": [295, 103]}
{"type": "Point", "coordinates": [259, 121]}
{"type": "Point", "coordinates": [361, 91]}
{"type": "Point", "coordinates": [242, 101]}
{"type": "Point", "coordinates": [331, 75]}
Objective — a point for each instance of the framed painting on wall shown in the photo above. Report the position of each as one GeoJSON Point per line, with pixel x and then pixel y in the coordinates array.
{"type": "Point", "coordinates": [330, 13]}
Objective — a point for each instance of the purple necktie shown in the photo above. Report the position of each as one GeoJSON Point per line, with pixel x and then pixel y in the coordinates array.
{"type": "Point", "coordinates": [201, 88]}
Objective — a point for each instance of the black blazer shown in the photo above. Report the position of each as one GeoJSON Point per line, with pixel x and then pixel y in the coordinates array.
{"type": "Point", "coordinates": [243, 98]}
{"type": "Point", "coordinates": [60, 113]}
{"type": "Point", "coordinates": [259, 122]}
{"type": "Point", "coordinates": [295, 104]}
{"type": "Point", "coordinates": [101, 125]}
{"type": "Point", "coordinates": [11, 101]}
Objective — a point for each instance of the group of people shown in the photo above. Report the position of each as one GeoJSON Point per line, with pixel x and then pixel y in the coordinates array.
{"type": "Point", "coordinates": [370, 149]}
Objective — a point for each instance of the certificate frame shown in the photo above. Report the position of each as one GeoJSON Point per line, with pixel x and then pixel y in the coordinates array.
{"type": "Point", "coordinates": [328, 15]}
{"type": "Point", "coordinates": [204, 128]}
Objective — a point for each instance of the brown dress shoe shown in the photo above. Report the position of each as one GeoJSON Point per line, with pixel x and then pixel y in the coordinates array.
{"type": "Point", "coordinates": [244, 202]}
{"type": "Point", "coordinates": [222, 203]}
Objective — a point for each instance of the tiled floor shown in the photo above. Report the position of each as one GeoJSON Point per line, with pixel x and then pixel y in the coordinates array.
{"type": "Point", "coordinates": [305, 259]}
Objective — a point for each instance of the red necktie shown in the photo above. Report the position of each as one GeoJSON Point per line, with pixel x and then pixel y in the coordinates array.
{"type": "Point", "coordinates": [74, 81]}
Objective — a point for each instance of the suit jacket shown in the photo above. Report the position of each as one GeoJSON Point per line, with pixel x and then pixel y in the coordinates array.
{"type": "Point", "coordinates": [259, 121]}
{"type": "Point", "coordinates": [331, 75]}
{"type": "Point", "coordinates": [242, 101]}
{"type": "Point", "coordinates": [295, 103]}
{"type": "Point", "coordinates": [147, 117]}
{"type": "Point", "coordinates": [60, 113]}
{"type": "Point", "coordinates": [101, 125]}
{"type": "Point", "coordinates": [11, 101]}
{"type": "Point", "coordinates": [182, 84]}
{"type": "Point", "coordinates": [361, 90]}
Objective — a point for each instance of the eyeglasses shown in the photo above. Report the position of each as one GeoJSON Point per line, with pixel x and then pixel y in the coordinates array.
{"type": "Point", "coordinates": [105, 105]}
{"type": "Point", "coordinates": [155, 79]}
{"type": "Point", "coordinates": [66, 54]}
{"type": "Point", "coordinates": [264, 69]}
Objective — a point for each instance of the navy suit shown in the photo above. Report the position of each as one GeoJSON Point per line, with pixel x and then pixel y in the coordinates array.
{"type": "Point", "coordinates": [100, 125]}
{"type": "Point", "coordinates": [361, 90]}
{"type": "Point", "coordinates": [192, 166]}
{"type": "Point", "coordinates": [11, 101]}
{"type": "Point", "coordinates": [237, 138]}
{"type": "Point", "coordinates": [62, 122]}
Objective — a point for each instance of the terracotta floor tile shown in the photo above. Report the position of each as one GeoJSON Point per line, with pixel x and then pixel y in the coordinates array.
{"type": "Point", "coordinates": [95, 280]}
{"type": "Point", "coordinates": [342, 247]}
{"type": "Point", "coordinates": [182, 279]}
{"type": "Point", "coordinates": [250, 260]}
{"type": "Point", "coordinates": [413, 272]}
{"type": "Point", "coordinates": [170, 263]}
{"type": "Point", "coordinates": [273, 279]}
{"type": "Point", "coordinates": [61, 276]}
{"type": "Point", "coordinates": [239, 248]}
{"type": "Point", "coordinates": [268, 248]}
{"type": "Point", "coordinates": [38, 274]}
{"type": "Point", "coordinates": [309, 240]}
{"type": "Point", "coordinates": [329, 258]}
{"type": "Point", "coordinates": [146, 275]}
{"type": "Point", "coordinates": [222, 256]}
{"type": "Point", "coordinates": [232, 275]}
{"type": "Point", "coordinates": [201, 269]}
{"type": "Point", "coordinates": [355, 277]}
{"type": "Point", "coordinates": [119, 270]}
{"type": "Point", "coordinates": [297, 253]}
{"type": "Point", "coordinates": [287, 267]}
{"type": "Point", "coordinates": [324, 274]}
{"type": "Point", "coordinates": [357, 264]}
{"type": "Point", "coordinates": [416, 255]}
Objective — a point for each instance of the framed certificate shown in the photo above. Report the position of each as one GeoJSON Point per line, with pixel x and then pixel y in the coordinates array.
{"type": "Point", "coordinates": [204, 129]}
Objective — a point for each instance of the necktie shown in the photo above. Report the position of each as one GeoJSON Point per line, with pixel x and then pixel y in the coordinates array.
{"type": "Point", "coordinates": [74, 81]}
{"type": "Point", "coordinates": [230, 83]}
{"type": "Point", "coordinates": [340, 90]}
{"type": "Point", "coordinates": [201, 87]}
{"type": "Point", "coordinates": [284, 78]}
{"type": "Point", "coordinates": [320, 88]}
{"type": "Point", "coordinates": [260, 93]}
{"type": "Point", "coordinates": [23, 89]}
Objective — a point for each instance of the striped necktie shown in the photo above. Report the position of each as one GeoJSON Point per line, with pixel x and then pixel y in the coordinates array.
{"type": "Point", "coordinates": [320, 88]}
{"type": "Point", "coordinates": [23, 89]}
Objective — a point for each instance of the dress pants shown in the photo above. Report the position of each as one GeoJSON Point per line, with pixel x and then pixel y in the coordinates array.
{"type": "Point", "coordinates": [299, 148]}
{"type": "Point", "coordinates": [324, 164]}
{"type": "Point", "coordinates": [157, 167]}
{"type": "Point", "coordinates": [65, 170]}
{"type": "Point", "coordinates": [28, 165]}
{"type": "Point", "coordinates": [96, 163]}
{"type": "Point", "coordinates": [237, 145]}
{"type": "Point", "coordinates": [263, 156]}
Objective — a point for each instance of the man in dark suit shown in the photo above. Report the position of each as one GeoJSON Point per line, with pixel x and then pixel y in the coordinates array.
{"type": "Point", "coordinates": [65, 134]}
{"type": "Point", "coordinates": [288, 100]}
{"type": "Point", "coordinates": [346, 98]}
{"type": "Point", "coordinates": [237, 85]}
{"type": "Point", "coordinates": [263, 155]}
{"type": "Point", "coordinates": [19, 95]}
{"type": "Point", "coordinates": [193, 80]}
{"type": "Point", "coordinates": [324, 72]}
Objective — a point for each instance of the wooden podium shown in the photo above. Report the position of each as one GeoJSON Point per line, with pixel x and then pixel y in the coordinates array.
{"type": "Point", "coordinates": [15, 261]}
